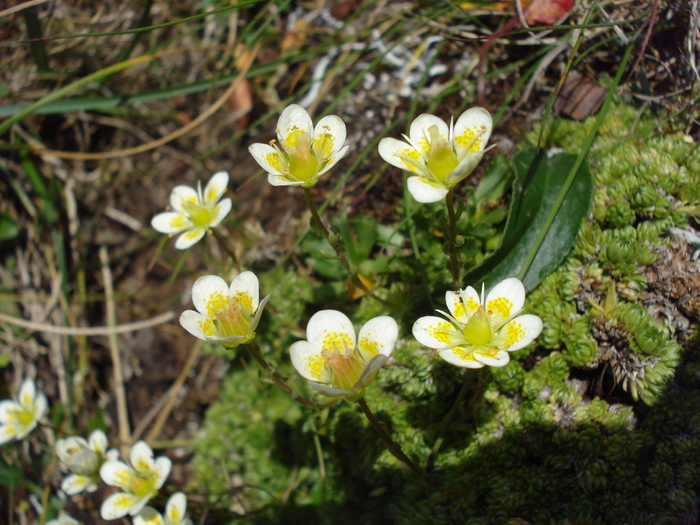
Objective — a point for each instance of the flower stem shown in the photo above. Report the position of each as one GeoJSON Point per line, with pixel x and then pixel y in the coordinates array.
{"type": "Point", "coordinates": [254, 351]}
{"type": "Point", "coordinates": [449, 418]}
{"type": "Point", "coordinates": [452, 238]}
{"type": "Point", "coordinates": [394, 448]}
{"type": "Point", "coordinates": [335, 243]}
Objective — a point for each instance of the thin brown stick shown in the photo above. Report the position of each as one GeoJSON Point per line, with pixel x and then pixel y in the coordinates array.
{"type": "Point", "coordinates": [80, 331]}
{"type": "Point", "coordinates": [119, 390]}
{"type": "Point", "coordinates": [21, 7]}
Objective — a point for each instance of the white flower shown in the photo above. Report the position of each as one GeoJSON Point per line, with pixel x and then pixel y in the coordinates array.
{"type": "Point", "coordinates": [84, 459]}
{"type": "Point", "coordinates": [334, 361]}
{"type": "Point", "coordinates": [439, 156]}
{"type": "Point", "coordinates": [18, 418]}
{"type": "Point", "coordinates": [196, 212]}
{"type": "Point", "coordinates": [174, 513]}
{"type": "Point", "coordinates": [480, 332]}
{"type": "Point", "coordinates": [304, 152]}
{"type": "Point", "coordinates": [63, 519]}
{"type": "Point", "coordinates": [139, 481]}
{"type": "Point", "coordinates": [226, 314]}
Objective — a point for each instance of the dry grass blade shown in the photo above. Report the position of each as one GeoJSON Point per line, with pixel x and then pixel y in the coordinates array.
{"type": "Point", "coordinates": [78, 331]}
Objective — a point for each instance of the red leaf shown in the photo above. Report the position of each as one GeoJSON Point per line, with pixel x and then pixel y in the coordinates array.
{"type": "Point", "coordinates": [547, 11]}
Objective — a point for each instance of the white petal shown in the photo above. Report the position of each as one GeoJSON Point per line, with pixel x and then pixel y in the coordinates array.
{"type": "Point", "coordinates": [182, 194]}
{"type": "Point", "coordinates": [455, 356]}
{"type": "Point", "coordinates": [40, 406]}
{"type": "Point", "coordinates": [148, 516]}
{"type": "Point", "coordinates": [334, 130]}
{"type": "Point", "coordinates": [471, 123]}
{"type": "Point", "coordinates": [141, 457]}
{"type": "Point", "coordinates": [189, 238]}
{"type": "Point", "coordinates": [118, 505]}
{"type": "Point", "coordinates": [139, 505]}
{"type": "Point", "coordinates": [7, 409]}
{"type": "Point", "coordinates": [307, 360]}
{"type": "Point", "coordinates": [216, 187]}
{"type": "Point", "coordinates": [98, 441]}
{"type": "Point", "coordinates": [268, 158]}
{"type": "Point", "coordinates": [293, 118]}
{"type": "Point", "coordinates": [279, 180]}
{"type": "Point", "coordinates": [464, 168]}
{"type": "Point", "coordinates": [74, 484]}
{"type": "Point", "coordinates": [425, 192]}
{"type": "Point", "coordinates": [66, 448]}
{"type": "Point", "coordinates": [330, 391]}
{"type": "Point", "coordinates": [504, 301]}
{"type": "Point", "coordinates": [463, 304]}
{"type": "Point", "coordinates": [205, 288]}
{"type": "Point", "coordinates": [192, 322]}
{"type": "Point", "coordinates": [331, 330]}
{"type": "Point", "coordinates": [246, 283]}
{"type": "Point", "coordinates": [27, 392]}
{"type": "Point", "coordinates": [162, 467]}
{"type": "Point", "coordinates": [435, 332]}
{"type": "Point", "coordinates": [8, 432]}
{"type": "Point", "coordinates": [392, 150]}
{"type": "Point", "coordinates": [176, 507]}
{"type": "Point", "coordinates": [520, 332]}
{"type": "Point", "coordinates": [502, 358]}
{"type": "Point", "coordinates": [116, 473]}
{"type": "Point", "coordinates": [222, 210]}
{"type": "Point", "coordinates": [170, 222]}
{"type": "Point", "coordinates": [418, 131]}
{"type": "Point", "coordinates": [339, 155]}
{"type": "Point", "coordinates": [370, 371]}
{"type": "Point", "coordinates": [378, 336]}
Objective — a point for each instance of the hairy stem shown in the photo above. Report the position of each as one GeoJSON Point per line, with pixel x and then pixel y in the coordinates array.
{"type": "Point", "coordinates": [452, 238]}
{"type": "Point", "coordinates": [394, 448]}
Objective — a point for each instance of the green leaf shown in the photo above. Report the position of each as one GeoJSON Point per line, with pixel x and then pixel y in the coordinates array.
{"type": "Point", "coordinates": [539, 180]}
{"type": "Point", "coordinates": [8, 227]}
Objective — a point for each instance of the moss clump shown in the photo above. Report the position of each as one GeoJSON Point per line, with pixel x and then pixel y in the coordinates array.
{"type": "Point", "coordinates": [596, 423]}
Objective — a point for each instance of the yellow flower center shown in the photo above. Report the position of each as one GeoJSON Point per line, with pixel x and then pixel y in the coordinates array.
{"type": "Point", "coordinates": [345, 368]}
{"type": "Point", "coordinates": [201, 216]}
{"type": "Point", "coordinates": [441, 156]}
{"type": "Point", "coordinates": [477, 331]}
{"type": "Point", "coordinates": [142, 486]}
{"type": "Point", "coordinates": [229, 316]}
{"type": "Point", "coordinates": [23, 416]}
{"type": "Point", "coordinates": [303, 164]}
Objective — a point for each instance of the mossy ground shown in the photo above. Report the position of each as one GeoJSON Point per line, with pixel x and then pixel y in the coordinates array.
{"type": "Point", "coordinates": [596, 423]}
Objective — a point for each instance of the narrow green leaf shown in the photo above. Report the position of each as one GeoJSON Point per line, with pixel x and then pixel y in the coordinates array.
{"type": "Point", "coordinates": [8, 227]}
{"type": "Point", "coordinates": [538, 183]}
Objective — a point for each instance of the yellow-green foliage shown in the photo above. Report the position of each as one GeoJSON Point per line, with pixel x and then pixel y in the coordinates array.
{"type": "Point", "coordinates": [596, 423]}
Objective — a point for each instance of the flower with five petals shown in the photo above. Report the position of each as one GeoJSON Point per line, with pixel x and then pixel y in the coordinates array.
{"type": "Point", "coordinates": [304, 152]}
{"type": "Point", "coordinates": [194, 212]}
{"type": "Point", "coordinates": [18, 418]}
{"type": "Point", "coordinates": [175, 510]}
{"type": "Point", "coordinates": [84, 459]}
{"type": "Point", "coordinates": [139, 481]}
{"type": "Point", "coordinates": [225, 314]}
{"type": "Point", "coordinates": [333, 359]}
{"type": "Point", "coordinates": [480, 332]}
{"type": "Point", "coordinates": [438, 155]}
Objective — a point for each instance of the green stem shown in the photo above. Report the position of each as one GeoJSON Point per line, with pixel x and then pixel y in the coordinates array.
{"type": "Point", "coordinates": [334, 241]}
{"type": "Point", "coordinates": [452, 237]}
{"type": "Point", "coordinates": [394, 448]}
{"type": "Point", "coordinates": [449, 418]}
{"type": "Point", "coordinates": [254, 351]}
